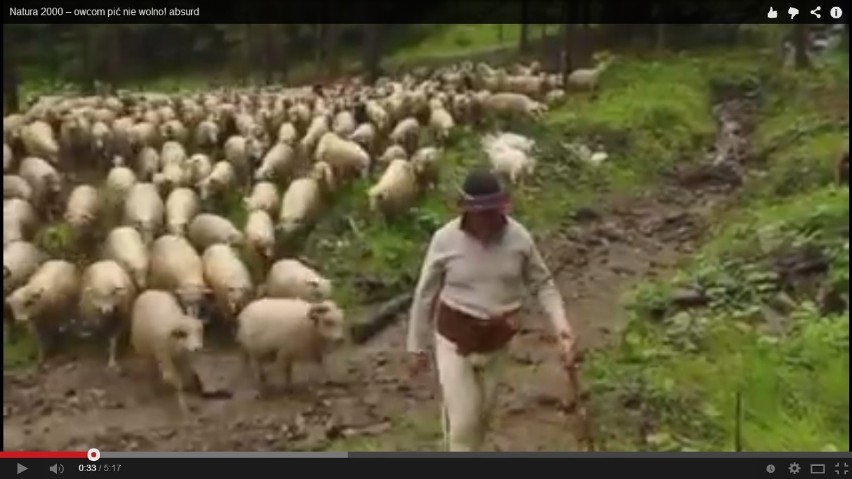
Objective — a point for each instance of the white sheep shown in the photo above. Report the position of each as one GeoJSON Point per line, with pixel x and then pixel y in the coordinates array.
{"type": "Point", "coordinates": [207, 229]}
{"type": "Point", "coordinates": [174, 130]}
{"type": "Point", "coordinates": [264, 196]}
{"type": "Point", "coordinates": [346, 158]}
{"type": "Point", "coordinates": [172, 176]}
{"type": "Point", "coordinates": [587, 78]}
{"type": "Point", "coordinates": [44, 180]}
{"type": "Point", "coordinates": [143, 134]}
{"type": "Point", "coordinates": [242, 153]}
{"type": "Point", "coordinates": [147, 163]}
{"type": "Point", "coordinates": [125, 246]}
{"type": "Point", "coordinates": [377, 115]}
{"type": "Point", "coordinates": [287, 134]}
{"type": "Point", "coordinates": [343, 124]}
{"type": "Point", "coordinates": [514, 104]}
{"type": "Point", "coordinates": [144, 210]}
{"type": "Point", "coordinates": [290, 278]}
{"type": "Point", "coordinates": [229, 280]}
{"type": "Point", "coordinates": [19, 220]}
{"type": "Point", "coordinates": [38, 140]}
{"type": "Point", "coordinates": [176, 267]}
{"type": "Point", "coordinates": [44, 302]}
{"type": "Point", "coordinates": [8, 157]}
{"type": "Point", "coordinates": [221, 179]}
{"type": "Point", "coordinates": [207, 135]}
{"type": "Point", "coordinates": [425, 162]}
{"type": "Point", "coordinates": [365, 135]}
{"type": "Point", "coordinates": [102, 140]}
{"type": "Point", "coordinates": [15, 186]}
{"type": "Point", "coordinates": [119, 182]}
{"type": "Point", "coordinates": [105, 303]}
{"type": "Point", "coordinates": [172, 154]}
{"type": "Point", "coordinates": [406, 133]}
{"type": "Point", "coordinates": [301, 205]}
{"type": "Point", "coordinates": [441, 122]}
{"type": "Point", "coordinates": [260, 233]}
{"type": "Point", "coordinates": [182, 205]}
{"type": "Point", "coordinates": [198, 167]}
{"type": "Point", "coordinates": [396, 190]}
{"type": "Point", "coordinates": [21, 260]}
{"type": "Point", "coordinates": [288, 330]}
{"type": "Point", "coordinates": [83, 208]}
{"type": "Point", "coordinates": [308, 143]}
{"type": "Point", "coordinates": [393, 152]}
{"type": "Point", "coordinates": [160, 331]}
{"type": "Point", "coordinates": [510, 162]}
{"type": "Point", "coordinates": [278, 163]}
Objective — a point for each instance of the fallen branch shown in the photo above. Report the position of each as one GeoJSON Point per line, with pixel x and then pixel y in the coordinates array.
{"type": "Point", "coordinates": [386, 314]}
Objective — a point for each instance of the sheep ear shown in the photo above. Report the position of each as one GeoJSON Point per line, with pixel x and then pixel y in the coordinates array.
{"type": "Point", "coordinates": [317, 311]}
{"type": "Point", "coordinates": [6, 272]}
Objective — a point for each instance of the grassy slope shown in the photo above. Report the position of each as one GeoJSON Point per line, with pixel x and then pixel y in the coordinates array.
{"type": "Point", "coordinates": [680, 375]}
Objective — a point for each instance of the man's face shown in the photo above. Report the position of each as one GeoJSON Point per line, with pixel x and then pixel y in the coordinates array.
{"type": "Point", "coordinates": [485, 224]}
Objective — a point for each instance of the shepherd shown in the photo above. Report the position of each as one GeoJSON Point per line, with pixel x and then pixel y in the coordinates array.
{"type": "Point", "coordinates": [471, 287]}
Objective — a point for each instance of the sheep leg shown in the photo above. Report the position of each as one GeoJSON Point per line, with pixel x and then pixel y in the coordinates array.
{"type": "Point", "coordinates": [40, 343]}
{"type": "Point", "coordinates": [172, 376]}
{"type": "Point", "coordinates": [9, 326]}
{"type": "Point", "coordinates": [257, 371]}
{"type": "Point", "coordinates": [287, 365]}
{"type": "Point", "coordinates": [113, 348]}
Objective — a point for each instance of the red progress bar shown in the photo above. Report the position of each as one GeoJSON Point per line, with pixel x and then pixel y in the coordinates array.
{"type": "Point", "coordinates": [43, 455]}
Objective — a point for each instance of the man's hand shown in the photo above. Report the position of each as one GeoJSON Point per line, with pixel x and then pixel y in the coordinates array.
{"type": "Point", "coordinates": [567, 345]}
{"type": "Point", "coordinates": [419, 363]}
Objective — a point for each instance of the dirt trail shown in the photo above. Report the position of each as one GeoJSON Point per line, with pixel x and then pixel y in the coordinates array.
{"type": "Point", "coordinates": [371, 402]}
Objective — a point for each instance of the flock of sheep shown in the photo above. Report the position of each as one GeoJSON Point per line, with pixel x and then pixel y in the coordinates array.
{"type": "Point", "coordinates": [165, 258]}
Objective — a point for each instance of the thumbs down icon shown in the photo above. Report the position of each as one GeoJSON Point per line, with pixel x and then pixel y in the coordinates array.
{"type": "Point", "coordinates": [792, 11]}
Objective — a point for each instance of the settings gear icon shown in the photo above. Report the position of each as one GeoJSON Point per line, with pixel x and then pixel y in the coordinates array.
{"type": "Point", "coordinates": [795, 468]}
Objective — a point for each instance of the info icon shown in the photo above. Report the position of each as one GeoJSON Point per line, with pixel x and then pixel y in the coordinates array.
{"type": "Point", "coordinates": [93, 454]}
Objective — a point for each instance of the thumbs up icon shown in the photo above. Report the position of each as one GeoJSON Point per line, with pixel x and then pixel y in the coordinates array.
{"type": "Point", "coordinates": [772, 13]}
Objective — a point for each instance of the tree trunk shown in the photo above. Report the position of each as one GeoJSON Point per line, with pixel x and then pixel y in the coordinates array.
{"type": "Point", "coordinates": [114, 56]}
{"type": "Point", "coordinates": [564, 61]}
{"type": "Point", "coordinates": [268, 76]}
{"type": "Point", "coordinates": [584, 43]}
{"type": "Point", "coordinates": [372, 54]}
{"type": "Point", "coordinates": [661, 36]}
{"type": "Point", "coordinates": [87, 41]}
{"type": "Point", "coordinates": [800, 45]}
{"type": "Point", "coordinates": [523, 38]}
{"type": "Point", "coordinates": [319, 44]}
{"type": "Point", "coordinates": [11, 102]}
{"type": "Point", "coordinates": [247, 54]}
{"type": "Point", "coordinates": [331, 44]}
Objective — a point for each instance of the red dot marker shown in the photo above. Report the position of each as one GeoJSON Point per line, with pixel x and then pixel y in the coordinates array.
{"type": "Point", "coordinates": [93, 454]}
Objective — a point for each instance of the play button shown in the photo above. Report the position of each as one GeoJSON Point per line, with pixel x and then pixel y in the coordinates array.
{"type": "Point", "coordinates": [21, 468]}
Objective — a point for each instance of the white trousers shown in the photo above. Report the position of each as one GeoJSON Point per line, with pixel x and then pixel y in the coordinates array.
{"type": "Point", "coordinates": [468, 384]}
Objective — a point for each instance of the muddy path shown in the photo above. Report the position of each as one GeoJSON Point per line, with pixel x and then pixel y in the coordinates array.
{"type": "Point", "coordinates": [369, 402]}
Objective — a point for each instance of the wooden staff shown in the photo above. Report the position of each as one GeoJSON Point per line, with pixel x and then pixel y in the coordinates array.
{"type": "Point", "coordinates": [585, 434]}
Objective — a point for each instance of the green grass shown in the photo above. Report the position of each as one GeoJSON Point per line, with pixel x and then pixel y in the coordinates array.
{"type": "Point", "coordinates": [18, 354]}
{"type": "Point", "coordinates": [682, 371]}
{"type": "Point", "coordinates": [451, 40]}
